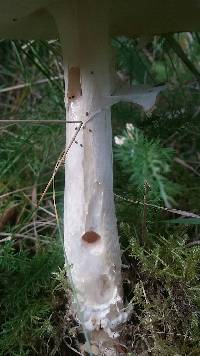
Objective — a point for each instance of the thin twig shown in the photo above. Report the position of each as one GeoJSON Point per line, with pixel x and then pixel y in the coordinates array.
{"type": "Point", "coordinates": [186, 165]}
{"type": "Point", "coordinates": [5, 195]}
{"type": "Point", "coordinates": [46, 211]}
{"type": "Point", "coordinates": [8, 236]}
{"type": "Point", "coordinates": [173, 211]}
{"type": "Point", "coordinates": [70, 347]}
{"type": "Point", "coordinates": [37, 223]}
{"type": "Point", "coordinates": [193, 243]}
{"type": "Point", "coordinates": [26, 85]}
{"type": "Point", "coordinates": [37, 122]}
{"type": "Point", "coordinates": [54, 203]}
{"type": "Point", "coordinates": [144, 217]}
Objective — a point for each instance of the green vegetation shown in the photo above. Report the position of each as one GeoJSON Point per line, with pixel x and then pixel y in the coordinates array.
{"type": "Point", "coordinates": [28, 298]}
{"type": "Point", "coordinates": [156, 169]}
{"type": "Point", "coordinates": [152, 162]}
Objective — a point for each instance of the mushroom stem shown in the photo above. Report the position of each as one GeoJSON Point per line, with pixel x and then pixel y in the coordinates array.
{"type": "Point", "coordinates": [90, 230]}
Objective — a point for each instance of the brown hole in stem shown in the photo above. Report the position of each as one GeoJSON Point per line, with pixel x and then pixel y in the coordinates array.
{"type": "Point", "coordinates": [91, 237]}
{"type": "Point", "coordinates": [74, 83]}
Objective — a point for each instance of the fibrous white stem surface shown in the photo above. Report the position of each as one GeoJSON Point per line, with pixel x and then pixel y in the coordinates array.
{"type": "Point", "coordinates": [90, 231]}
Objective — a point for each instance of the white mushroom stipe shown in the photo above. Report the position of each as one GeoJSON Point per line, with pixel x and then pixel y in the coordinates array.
{"type": "Point", "coordinates": [91, 239]}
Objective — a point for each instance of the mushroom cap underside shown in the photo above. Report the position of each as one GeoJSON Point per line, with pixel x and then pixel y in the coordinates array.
{"type": "Point", "coordinates": [31, 19]}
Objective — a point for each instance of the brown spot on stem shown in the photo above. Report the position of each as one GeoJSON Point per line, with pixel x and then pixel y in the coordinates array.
{"type": "Point", "coordinates": [74, 83]}
{"type": "Point", "coordinates": [91, 237]}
